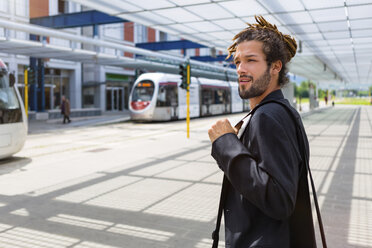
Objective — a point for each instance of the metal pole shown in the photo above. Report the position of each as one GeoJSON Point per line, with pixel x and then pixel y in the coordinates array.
{"type": "Point", "coordinates": [26, 92]}
{"type": "Point", "coordinates": [188, 99]}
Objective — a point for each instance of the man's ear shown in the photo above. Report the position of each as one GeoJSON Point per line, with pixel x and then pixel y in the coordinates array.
{"type": "Point", "coordinates": [276, 67]}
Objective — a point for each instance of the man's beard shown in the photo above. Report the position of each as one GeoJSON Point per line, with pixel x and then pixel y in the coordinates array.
{"type": "Point", "coordinates": [258, 86]}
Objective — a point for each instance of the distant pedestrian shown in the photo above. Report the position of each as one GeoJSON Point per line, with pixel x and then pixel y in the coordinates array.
{"type": "Point", "coordinates": [326, 99]}
{"type": "Point", "coordinates": [65, 110]}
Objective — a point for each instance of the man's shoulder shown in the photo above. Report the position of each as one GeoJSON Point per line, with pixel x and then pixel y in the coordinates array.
{"type": "Point", "coordinates": [273, 109]}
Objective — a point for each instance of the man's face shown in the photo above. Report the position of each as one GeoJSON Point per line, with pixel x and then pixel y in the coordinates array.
{"type": "Point", "coordinates": [254, 74]}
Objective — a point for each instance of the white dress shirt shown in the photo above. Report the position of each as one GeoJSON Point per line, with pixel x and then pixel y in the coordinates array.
{"type": "Point", "coordinates": [244, 125]}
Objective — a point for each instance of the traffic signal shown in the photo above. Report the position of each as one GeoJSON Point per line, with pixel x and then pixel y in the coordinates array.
{"type": "Point", "coordinates": [31, 76]}
{"type": "Point", "coordinates": [183, 73]}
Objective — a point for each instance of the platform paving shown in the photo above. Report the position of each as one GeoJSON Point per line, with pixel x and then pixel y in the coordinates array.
{"type": "Point", "coordinates": [144, 185]}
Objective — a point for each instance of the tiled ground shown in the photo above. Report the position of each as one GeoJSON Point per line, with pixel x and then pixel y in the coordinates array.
{"type": "Point", "coordinates": [341, 160]}
{"type": "Point", "coordinates": [146, 185]}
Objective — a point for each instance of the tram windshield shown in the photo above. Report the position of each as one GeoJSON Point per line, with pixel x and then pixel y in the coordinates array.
{"type": "Point", "coordinates": [143, 91]}
{"type": "Point", "coordinates": [10, 110]}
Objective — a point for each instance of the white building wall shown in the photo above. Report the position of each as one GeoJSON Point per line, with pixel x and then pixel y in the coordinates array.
{"type": "Point", "coordinates": [73, 7]}
{"type": "Point", "coordinates": [157, 35]}
{"type": "Point", "coordinates": [75, 82]}
{"type": "Point", "coordinates": [4, 6]}
{"type": "Point", "coordinates": [53, 7]}
{"type": "Point", "coordinates": [14, 10]}
{"type": "Point", "coordinates": [140, 33]}
{"type": "Point", "coordinates": [21, 8]}
{"type": "Point", "coordinates": [113, 31]}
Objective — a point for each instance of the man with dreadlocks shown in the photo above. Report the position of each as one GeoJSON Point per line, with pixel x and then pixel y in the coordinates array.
{"type": "Point", "coordinates": [267, 200]}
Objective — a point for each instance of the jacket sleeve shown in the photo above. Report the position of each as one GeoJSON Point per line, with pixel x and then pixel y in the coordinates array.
{"type": "Point", "coordinates": [267, 174]}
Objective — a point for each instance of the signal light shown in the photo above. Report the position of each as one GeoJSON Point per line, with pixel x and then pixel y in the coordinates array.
{"type": "Point", "coordinates": [184, 75]}
{"type": "Point", "coordinates": [31, 76]}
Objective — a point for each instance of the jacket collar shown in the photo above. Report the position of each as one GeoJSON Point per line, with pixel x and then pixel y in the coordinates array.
{"type": "Point", "coordinates": [275, 95]}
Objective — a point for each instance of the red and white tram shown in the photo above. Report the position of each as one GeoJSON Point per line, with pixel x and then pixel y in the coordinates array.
{"type": "Point", "coordinates": [159, 97]}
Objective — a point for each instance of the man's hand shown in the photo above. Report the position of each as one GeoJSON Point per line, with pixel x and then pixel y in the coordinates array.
{"type": "Point", "coordinates": [220, 128]}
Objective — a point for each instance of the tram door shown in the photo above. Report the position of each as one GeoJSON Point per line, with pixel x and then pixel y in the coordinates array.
{"type": "Point", "coordinates": [114, 98]}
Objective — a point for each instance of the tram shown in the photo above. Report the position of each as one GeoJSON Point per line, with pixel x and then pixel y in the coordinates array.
{"type": "Point", "coordinates": [159, 97]}
{"type": "Point", "coordinates": [13, 121]}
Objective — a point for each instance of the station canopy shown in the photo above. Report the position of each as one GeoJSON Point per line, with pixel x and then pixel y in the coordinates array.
{"type": "Point", "coordinates": [335, 36]}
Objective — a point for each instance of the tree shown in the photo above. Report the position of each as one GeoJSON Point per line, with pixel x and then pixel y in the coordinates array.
{"type": "Point", "coordinates": [303, 89]}
{"type": "Point", "coordinates": [296, 92]}
{"type": "Point", "coordinates": [322, 93]}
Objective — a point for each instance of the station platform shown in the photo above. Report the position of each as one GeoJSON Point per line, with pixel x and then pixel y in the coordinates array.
{"type": "Point", "coordinates": [43, 126]}
{"type": "Point", "coordinates": [341, 160]}
{"type": "Point", "coordinates": [129, 185]}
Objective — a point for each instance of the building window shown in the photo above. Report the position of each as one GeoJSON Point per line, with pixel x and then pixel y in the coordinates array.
{"type": "Point", "coordinates": [62, 6]}
{"type": "Point", "coordinates": [88, 97]}
{"type": "Point", "coordinates": [163, 36]}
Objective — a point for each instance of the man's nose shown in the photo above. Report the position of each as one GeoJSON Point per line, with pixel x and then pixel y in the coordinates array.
{"type": "Point", "coordinates": [240, 69]}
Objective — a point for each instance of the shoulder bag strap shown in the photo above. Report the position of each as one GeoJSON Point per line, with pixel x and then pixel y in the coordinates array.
{"type": "Point", "coordinates": [215, 234]}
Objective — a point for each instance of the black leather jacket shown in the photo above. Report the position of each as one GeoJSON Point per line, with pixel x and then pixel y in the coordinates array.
{"type": "Point", "coordinates": [267, 203]}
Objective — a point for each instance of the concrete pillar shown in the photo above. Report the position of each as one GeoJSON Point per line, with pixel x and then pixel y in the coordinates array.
{"type": "Point", "coordinates": [288, 92]}
{"type": "Point", "coordinates": [76, 87]}
{"type": "Point", "coordinates": [101, 75]}
{"type": "Point", "coordinates": [312, 97]}
{"type": "Point", "coordinates": [93, 73]}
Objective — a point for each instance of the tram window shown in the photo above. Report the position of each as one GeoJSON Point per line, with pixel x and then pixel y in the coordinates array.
{"type": "Point", "coordinates": [8, 97]}
{"type": "Point", "coordinates": [167, 96]}
{"type": "Point", "coordinates": [218, 96]}
{"type": "Point", "coordinates": [10, 110]}
{"type": "Point", "coordinates": [207, 96]}
{"type": "Point", "coordinates": [226, 96]}
{"type": "Point", "coordinates": [221, 96]}
{"type": "Point", "coordinates": [143, 91]}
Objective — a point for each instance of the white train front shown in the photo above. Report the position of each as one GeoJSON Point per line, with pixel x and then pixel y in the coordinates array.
{"type": "Point", "coordinates": [159, 97]}
{"type": "Point", "coordinates": [13, 120]}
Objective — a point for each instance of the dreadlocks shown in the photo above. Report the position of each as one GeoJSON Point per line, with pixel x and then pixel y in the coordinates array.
{"type": "Point", "coordinates": [276, 46]}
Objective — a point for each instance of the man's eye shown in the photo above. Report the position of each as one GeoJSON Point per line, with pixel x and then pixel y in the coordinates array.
{"type": "Point", "coordinates": [237, 62]}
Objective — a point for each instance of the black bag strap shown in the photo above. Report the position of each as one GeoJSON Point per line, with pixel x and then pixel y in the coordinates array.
{"type": "Point", "coordinates": [215, 234]}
